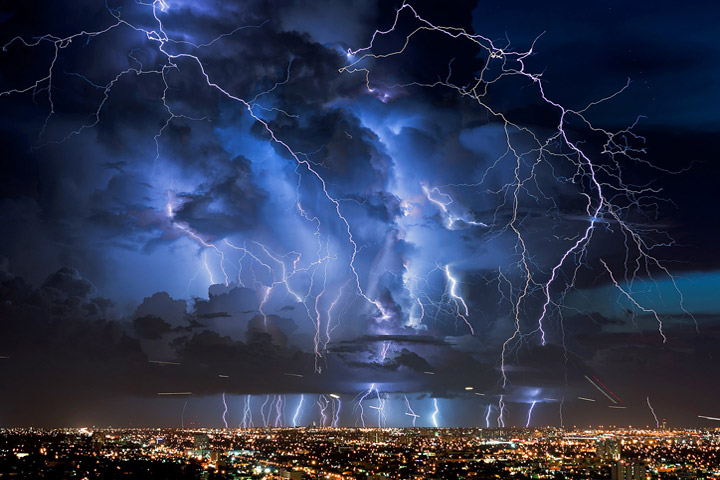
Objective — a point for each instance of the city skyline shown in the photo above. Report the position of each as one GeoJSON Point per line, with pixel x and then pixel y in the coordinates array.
{"type": "Point", "coordinates": [359, 214]}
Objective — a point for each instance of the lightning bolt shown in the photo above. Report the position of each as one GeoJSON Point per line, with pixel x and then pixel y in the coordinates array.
{"type": "Point", "coordinates": [182, 415]}
{"type": "Point", "coordinates": [337, 405]}
{"type": "Point", "coordinates": [266, 418]}
{"type": "Point", "coordinates": [652, 410]}
{"type": "Point", "coordinates": [298, 411]}
{"type": "Point", "coordinates": [410, 412]}
{"type": "Point", "coordinates": [247, 420]}
{"type": "Point", "coordinates": [380, 407]}
{"type": "Point", "coordinates": [529, 415]}
{"type": "Point", "coordinates": [224, 414]}
{"type": "Point", "coordinates": [434, 414]}
{"type": "Point", "coordinates": [323, 403]}
{"type": "Point", "coordinates": [384, 351]}
{"type": "Point", "coordinates": [501, 412]}
{"type": "Point", "coordinates": [279, 411]}
{"type": "Point", "coordinates": [458, 299]}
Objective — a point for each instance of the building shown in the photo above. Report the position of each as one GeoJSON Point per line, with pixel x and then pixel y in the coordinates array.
{"type": "Point", "coordinates": [201, 442]}
{"type": "Point", "coordinates": [608, 449]}
{"type": "Point", "coordinates": [628, 470]}
{"type": "Point", "coordinates": [296, 475]}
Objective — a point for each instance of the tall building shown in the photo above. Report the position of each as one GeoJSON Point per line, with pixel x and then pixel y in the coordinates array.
{"type": "Point", "coordinates": [628, 470]}
{"type": "Point", "coordinates": [608, 450]}
{"type": "Point", "coordinates": [202, 441]}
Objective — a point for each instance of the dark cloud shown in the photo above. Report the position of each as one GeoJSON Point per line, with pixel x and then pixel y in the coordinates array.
{"type": "Point", "coordinates": [155, 217]}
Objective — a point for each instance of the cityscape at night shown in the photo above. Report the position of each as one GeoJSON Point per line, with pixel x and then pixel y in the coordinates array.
{"type": "Point", "coordinates": [359, 239]}
{"type": "Point", "coordinates": [370, 453]}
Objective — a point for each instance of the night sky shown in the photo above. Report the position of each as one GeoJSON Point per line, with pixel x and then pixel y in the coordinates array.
{"type": "Point", "coordinates": [264, 203]}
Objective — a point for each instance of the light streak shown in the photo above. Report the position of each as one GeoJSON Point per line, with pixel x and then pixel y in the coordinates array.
{"type": "Point", "coordinates": [174, 393]}
{"type": "Point", "coordinates": [159, 362]}
{"type": "Point", "coordinates": [600, 389]}
{"type": "Point", "coordinates": [586, 399]}
{"type": "Point", "coordinates": [606, 388]}
{"type": "Point", "coordinates": [715, 419]}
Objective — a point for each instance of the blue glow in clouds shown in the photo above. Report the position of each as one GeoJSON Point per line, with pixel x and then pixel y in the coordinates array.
{"type": "Point", "coordinates": [353, 211]}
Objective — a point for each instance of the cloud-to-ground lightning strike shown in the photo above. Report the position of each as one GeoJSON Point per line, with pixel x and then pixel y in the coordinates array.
{"type": "Point", "coordinates": [380, 407]}
{"type": "Point", "coordinates": [266, 417]}
{"type": "Point", "coordinates": [652, 411]}
{"type": "Point", "coordinates": [501, 412]}
{"type": "Point", "coordinates": [279, 404]}
{"type": "Point", "coordinates": [435, 412]}
{"type": "Point", "coordinates": [529, 415]}
{"type": "Point", "coordinates": [298, 411]}
{"type": "Point", "coordinates": [225, 411]}
{"type": "Point", "coordinates": [323, 403]}
{"type": "Point", "coordinates": [247, 419]}
{"type": "Point", "coordinates": [336, 406]}
{"type": "Point", "coordinates": [463, 312]}
{"type": "Point", "coordinates": [182, 415]}
{"type": "Point", "coordinates": [410, 412]}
